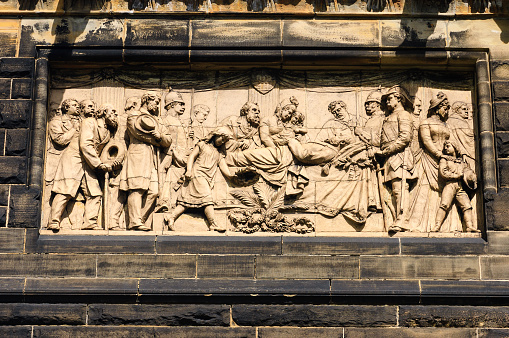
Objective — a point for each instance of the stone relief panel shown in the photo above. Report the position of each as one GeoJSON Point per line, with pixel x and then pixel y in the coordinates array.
{"type": "Point", "coordinates": [261, 151]}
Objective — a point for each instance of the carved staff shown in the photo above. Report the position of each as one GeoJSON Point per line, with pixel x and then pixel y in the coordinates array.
{"type": "Point", "coordinates": [106, 201]}
{"type": "Point", "coordinates": [381, 190]}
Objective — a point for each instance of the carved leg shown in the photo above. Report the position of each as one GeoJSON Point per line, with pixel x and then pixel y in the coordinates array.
{"type": "Point", "coordinates": [171, 218]}
{"type": "Point", "coordinates": [210, 214]}
{"type": "Point", "coordinates": [117, 204]}
{"type": "Point", "coordinates": [92, 208]}
{"type": "Point", "coordinates": [134, 203]}
{"type": "Point", "coordinates": [57, 209]}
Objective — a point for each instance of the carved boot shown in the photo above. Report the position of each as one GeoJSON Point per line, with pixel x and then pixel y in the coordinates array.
{"type": "Point", "coordinates": [169, 219]}
{"type": "Point", "coordinates": [53, 226]}
{"type": "Point", "coordinates": [214, 227]}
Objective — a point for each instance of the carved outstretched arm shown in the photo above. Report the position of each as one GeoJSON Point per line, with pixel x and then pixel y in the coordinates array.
{"type": "Point", "coordinates": [224, 168]}
{"type": "Point", "coordinates": [265, 136]}
{"type": "Point", "coordinates": [190, 161]}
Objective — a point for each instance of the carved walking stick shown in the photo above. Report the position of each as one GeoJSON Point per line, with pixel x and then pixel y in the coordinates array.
{"type": "Point", "coordinates": [106, 201]}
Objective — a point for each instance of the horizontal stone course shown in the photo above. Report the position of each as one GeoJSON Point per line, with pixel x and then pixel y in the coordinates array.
{"type": "Point", "coordinates": [225, 267]}
{"type": "Point", "coordinates": [96, 244]}
{"type": "Point", "coordinates": [81, 286]}
{"type": "Point", "coordinates": [454, 316]}
{"type": "Point", "coordinates": [16, 331]}
{"type": "Point", "coordinates": [213, 245]}
{"type": "Point", "coordinates": [375, 288]}
{"type": "Point", "coordinates": [495, 267]}
{"type": "Point", "coordinates": [406, 332]}
{"type": "Point", "coordinates": [12, 240]}
{"type": "Point", "coordinates": [42, 314]}
{"type": "Point", "coordinates": [157, 33]}
{"type": "Point", "coordinates": [168, 315]}
{"type": "Point", "coordinates": [16, 67]}
{"type": "Point", "coordinates": [307, 267]}
{"type": "Point", "coordinates": [340, 246]}
{"type": "Point", "coordinates": [300, 332]}
{"type": "Point", "coordinates": [462, 289]}
{"type": "Point", "coordinates": [313, 315]}
{"type": "Point", "coordinates": [442, 246]}
{"type": "Point", "coordinates": [37, 265]}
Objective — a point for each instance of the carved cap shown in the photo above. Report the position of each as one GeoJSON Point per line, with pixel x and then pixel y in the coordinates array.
{"type": "Point", "coordinates": [172, 97]}
{"type": "Point", "coordinates": [375, 96]}
{"type": "Point", "coordinates": [434, 102]}
{"type": "Point", "coordinates": [405, 99]}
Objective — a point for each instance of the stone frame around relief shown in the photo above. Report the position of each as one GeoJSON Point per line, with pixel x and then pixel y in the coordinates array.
{"type": "Point", "coordinates": [474, 61]}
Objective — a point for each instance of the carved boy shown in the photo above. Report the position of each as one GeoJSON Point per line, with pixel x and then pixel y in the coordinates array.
{"type": "Point", "coordinates": [397, 133]}
{"type": "Point", "coordinates": [77, 169]}
{"type": "Point", "coordinates": [454, 171]}
{"type": "Point", "coordinates": [139, 173]}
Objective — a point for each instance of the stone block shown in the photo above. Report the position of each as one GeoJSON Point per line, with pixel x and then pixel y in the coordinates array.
{"type": "Point", "coordinates": [503, 170]}
{"type": "Point", "coordinates": [500, 90]}
{"type": "Point", "coordinates": [414, 33]}
{"type": "Point", "coordinates": [300, 332]}
{"type": "Point", "coordinates": [235, 34]}
{"type": "Point", "coordinates": [502, 144]}
{"type": "Point", "coordinates": [42, 314]}
{"type": "Point", "coordinates": [498, 243]}
{"type": "Point", "coordinates": [103, 56]}
{"type": "Point", "coordinates": [21, 89]}
{"type": "Point", "coordinates": [313, 315]}
{"type": "Point", "coordinates": [4, 194]}
{"type": "Point", "coordinates": [81, 286]}
{"type": "Point", "coordinates": [307, 267]}
{"type": "Point", "coordinates": [339, 58]}
{"type": "Point", "coordinates": [177, 56]}
{"type": "Point", "coordinates": [13, 170]}
{"type": "Point", "coordinates": [15, 113]}
{"type": "Point", "coordinates": [495, 267]}
{"type": "Point", "coordinates": [424, 267]}
{"type": "Point", "coordinates": [222, 287]}
{"type": "Point", "coordinates": [496, 210]}
{"type": "Point", "coordinates": [12, 240]}
{"type": "Point", "coordinates": [225, 267]}
{"type": "Point", "coordinates": [8, 43]}
{"type": "Point", "coordinates": [16, 67]}
{"type": "Point", "coordinates": [374, 288]}
{"type": "Point", "coordinates": [15, 331]}
{"type": "Point", "coordinates": [160, 315]}
{"type": "Point", "coordinates": [143, 331]}
{"type": "Point", "coordinates": [418, 58]}
{"type": "Point", "coordinates": [215, 245]}
{"type": "Point", "coordinates": [442, 246]}
{"type": "Point", "coordinates": [465, 34]}
{"type": "Point", "coordinates": [31, 237]}
{"type": "Point", "coordinates": [16, 142]}
{"type": "Point", "coordinates": [3, 216]}
{"type": "Point", "coordinates": [340, 246]}
{"type": "Point", "coordinates": [5, 89]}
{"type": "Point", "coordinates": [12, 286]}
{"type": "Point", "coordinates": [157, 33]}
{"type": "Point", "coordinates": [493, 333]}
{"type": "Point", "coordinates": [453, 316]}
{"type": "Point", "coordinates": [148, 266]}
{"type": "Point", "coordinates": [35, 265]}
{"type": "Point", "coordinates": [96, 244]}
{"type": "Point", "coordinates": [499, 70]}
{"type": "Point", "coordinates": [405, 332]}
{"type": "Point", "coordinates": [24, 206]}
{"type": "Point", "coordinates": [463, 289]}
{"type": "Point", "coordinates": [232, 56]}
{"type": "Point", "coordinates": [2, 143]}
{"type": "Point", "coordinates": [330, 33]}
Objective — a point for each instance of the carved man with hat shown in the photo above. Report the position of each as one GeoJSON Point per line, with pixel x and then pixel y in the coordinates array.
{"type": "Point", "coordinates": [139, 174]}
{"type": "Point", "coordinates": [395, 139]}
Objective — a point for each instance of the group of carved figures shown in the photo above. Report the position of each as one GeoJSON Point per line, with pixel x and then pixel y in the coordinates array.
{"type": "Point", "coordinates": [413, 170]}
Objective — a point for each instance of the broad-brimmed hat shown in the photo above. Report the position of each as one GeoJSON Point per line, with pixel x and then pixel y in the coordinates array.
{"type": "Point", "coordinates": [470, 179]}
{"type": "Point", "coordinates": [434, 102]}
{"type": "Point", "coordinates": [407, 103]}
{"type": "Point", "coordinates": [143, 127]}
{"type": "Point", "coordinates": [113, 151]}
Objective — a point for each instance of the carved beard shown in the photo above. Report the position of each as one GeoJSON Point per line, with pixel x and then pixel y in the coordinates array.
{"type": "Point", "coordinates": [254, 122]}
{"type": "Point", "coordinates": [111, 122]}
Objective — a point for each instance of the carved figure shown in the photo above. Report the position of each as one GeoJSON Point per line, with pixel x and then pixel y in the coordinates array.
{"type": "Point", "coordinates": [398, 158]}
{"type": "Point", "coordinates": [462, 133]}
{"type": "Point", "coordinates": [457, 175]}
{"type": "Point", "coordinates": [277, 129]}
{"type": "Point", "coordinates": [78, 165]}
{"type": "Point", "coordinates": [196, 129]}
{"type": "Point", "coordinates": [244, 128]}
{"type": "Point", "coordinates": [201, 169]}
{"type": "Point", "coordinates": [139, 173]}
{"type": "Point", "coordinates": [337, 132]}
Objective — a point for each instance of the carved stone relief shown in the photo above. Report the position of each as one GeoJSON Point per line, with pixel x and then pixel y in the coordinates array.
{"type": "Point", "coordinates": [261, 151]}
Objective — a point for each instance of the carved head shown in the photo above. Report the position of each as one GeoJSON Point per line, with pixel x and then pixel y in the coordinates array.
{"type": "Point", "coordinates": [397, 96]}
{"type": "Point", "coordinates": [54, 110]}
{"type": "Point", "coordinates": [450, 149]}
{"type": "Point", "coordinates": [110, 114]}
{"type": "Point", "coordinates": [298, 119]}
{"type": "Point", "coordinates": [339, 111]}
{"type": "Point", "coordinates": [200, 113]}
{"type": "Point", "coordinates": [461, 109]}
{"type": "Point", "coordinates": [372, 103]}
{"type": "Point", "coordinates": [150, 100]}
{"type": "Point", "coordinates": [417, 107]}
{"type": "Point", "coordinates": [252, 113]}
{"type": "Point", "coordinates": [440, 106]}
{"type": "Point", "coordinates": [70, 107]}
{"type": "Point", "coordinates": [173, 100]}
{"type": "Point", "coordinates": [87, 108]}
{"type": "Point", "coordinates": [219, 136]}
{"type": "Point", "coordinates": [132, 103]}
{"type": "Point", "coordinates": [286, 109]}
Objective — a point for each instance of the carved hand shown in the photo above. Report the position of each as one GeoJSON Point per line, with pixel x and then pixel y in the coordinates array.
{"type": "Point", "coordinates": [104, 167]}
{"type": "Point", "coordinates": [188, 177]}
{"type": "Point", "coordinates": [244, 144]}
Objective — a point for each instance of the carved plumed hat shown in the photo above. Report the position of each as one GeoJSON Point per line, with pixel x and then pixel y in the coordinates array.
{"type": "Point", "coordinates": [172, 97]}
{"type": "Point", "coordinates": [405, 98]}
{"type": "Point", "coordinates": [375, 96]}
{"type": "Point", "coordinates": [288, 101]}
{"type": "Point", "coordinates": [434, 102]}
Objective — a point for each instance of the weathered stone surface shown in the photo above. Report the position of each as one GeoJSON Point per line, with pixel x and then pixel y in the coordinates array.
{"type": "Point", "coordinates": [502, 144]}
{"type": "Point", "coordinates": [214, 245]}
{"type": "Point", "coordinates": [173, 314]}
{"type": "Point", "coordinates": [413, 33]}
{"type": "Point", "coordinates": [328, 33]}
{"type": "Point", "coordinates": [21, 89]}
{"type": "Point", "coordinates": [81, 286]}
{"type": "Point", "coordinates": [221, 287]}
{"type": "Point", "coordinates": [4, 194]}
{"type": "Point", "coordinates": [157, 32]}
{"type": "Point", "coordinates": [300, 332]}
{"type": "Point", "coordinates": [15, 113]}
{"type": "Point", "coordinates": [463, 289]}
{"type": "Point", "coordinates": [143, 331]}
{"type": "Point", "coordinates": [246, 56]}
{"type": "Point", "coordinates": [232, 33]}
{"type": "Point", "coordinates": [24, 205]}
{"type": "Point", "coordinates": [453, 316]}
{"type": "Point", "coordinates": [501, 90]}
{"type": "Point", "coordinates": [499, 70]}
{"type": "Point", "coordinates": [374, 288]}
{"type": "Point", "coordinates": [498, 242]}
{"type": "Point", "coordinates": [442, 246]}
{"type": "Point", "coordinates": [346, 58]}
{"type": "Point", "coordinates": [13, 170]}
{"type": "Point", "coordinates": [464, 34]}
{"type": "Point", "coordinates": [420, 267]}
{"type": "Point", "coordinates": [313, 315]}
{"type": "Point", "coordinates": [16, 142]}
{"type": "Point", "coordinates": [96, 244]}
{"type": "Point", "coordinates": [493, 333]}
{"type": "Point", "coordinates": [36, 265]}
{"type": "Point", "coordinates": [16, 331]}
{"type": "Point", "coordinates": [225, 266]}
{"type": "Point", "coordinates": [404, 332]}
{"type": "Point", "coordinates": [42, 314]}
{"type": "Point", "coordinates": [494, 267]}
{"type": "Point", "coordinates": [5, 88]}
{"type": "Point", "coordinates": [307, 267]}
{"type": "Point", "coordinates": [12, 240]}
{"type": "Point", "coordinates": [8, 36]}
{"type": "Point", "coordinates": [156, 266]}
{"type": "Point", "coordinates": [495, 210]}
{"type": "Point", "coordinates": [16, 67]}
{"type": "Point", "coordinates": [340, 246]}
{"type": "Point", "coordinates": [12, 286]}
{"type": "Point", "coordinates": [503, 170]}
{"type": "Point", "coordinates": [3, 216]}
{"type": "Point", "coordinates": [413, 58]}
{"type": "Point", "coordinates": [32, 235]}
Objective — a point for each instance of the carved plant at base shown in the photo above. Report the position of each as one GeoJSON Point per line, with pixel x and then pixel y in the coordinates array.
{"type": "Point", "coordinates": [262, 212]}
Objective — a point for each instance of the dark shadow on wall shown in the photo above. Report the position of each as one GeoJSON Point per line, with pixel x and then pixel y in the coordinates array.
{"type": "Point", "coordinates": [66, 5]}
